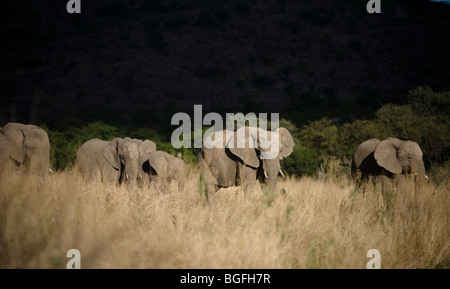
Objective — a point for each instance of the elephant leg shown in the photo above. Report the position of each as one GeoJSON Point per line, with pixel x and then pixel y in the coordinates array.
{"type": "Point", "coordinates": [405, 193]}
{"type": "Point", "coordinates": [247, 177]}
{"type": "Point", "coordinates": [244, 174]}
{"type": "Point", "coordinates": [180, 176]}
{"type": "Point", "coordinates": [387, 189]}
{"type": "Point", "coordinates": [211, 191]}
{"type": "Point", "coordinates": [156, 182]}
{"type": "Point", "coordinates": [208, 182]}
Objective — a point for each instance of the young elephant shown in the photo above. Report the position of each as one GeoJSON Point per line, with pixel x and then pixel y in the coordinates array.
{"type": "Point", "coordinates": [161, 167]}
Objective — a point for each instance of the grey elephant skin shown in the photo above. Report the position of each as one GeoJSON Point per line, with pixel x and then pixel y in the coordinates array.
{"type": "Point", "coordinates": [234, 165]}
{"type": "Point", "coordinates": [391, 161]}
{"type": "Point", "coordinates": [161, 168]}
{"type": "Point", "coordinates": [24, 148]}
{"type": "Point", "coordinates": [111, 161]}
{"type": "Point", "coordinates": [144, 146]}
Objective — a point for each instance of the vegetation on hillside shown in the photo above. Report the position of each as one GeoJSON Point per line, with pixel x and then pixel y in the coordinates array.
{"type": "Point", "coordinates": [424, 119]}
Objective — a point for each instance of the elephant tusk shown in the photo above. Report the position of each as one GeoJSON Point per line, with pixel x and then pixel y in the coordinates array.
{"type": "Point", "coordinates": [426, 177]}
{"type": "Point", "coordinates": [265, 174]}
{"type": "Point", "coordinates": [281, 172]}
{"type": "Point", "coordinates": [50, 170]}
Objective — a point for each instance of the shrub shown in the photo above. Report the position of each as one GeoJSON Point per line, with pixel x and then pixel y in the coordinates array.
{"type": "Point", "coordinates": [301, 162]}
{"type": "Point", "coordinates": [321, 136]}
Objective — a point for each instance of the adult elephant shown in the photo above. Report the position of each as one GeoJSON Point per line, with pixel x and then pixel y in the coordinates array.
{"type": "Point", "coordinates": [160, 167]}
{"type": "Point", "coordinates": [24, 148]}
{"type": "Point", "coordinates": [236, 158]}
{"type": "Point", "coordinates": [390, 161]}
{"type": "Point", "coordinates": [109, 161]}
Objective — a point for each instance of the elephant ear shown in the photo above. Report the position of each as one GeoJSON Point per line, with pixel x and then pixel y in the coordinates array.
{"type": "Point", "coordinates": [111, 154]}
{"type": "Point", "coordinates": [286, 143]}
{"type": "Point", "coordinates": [243, 144]}
{"type": "Point", "coordinates": [147, 146]}
{"type": "Point", "coordinates": [386, 155]}
{"type": "Point", "coordinates": [158, 163]}
{"type": "Point", "coordinates": [15, 137]}
{"type": "Point", "coordinates": [364, 150]}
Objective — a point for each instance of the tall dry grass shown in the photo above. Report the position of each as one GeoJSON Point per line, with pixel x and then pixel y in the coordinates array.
{"type": "Point", "coordinates": [316, 224]}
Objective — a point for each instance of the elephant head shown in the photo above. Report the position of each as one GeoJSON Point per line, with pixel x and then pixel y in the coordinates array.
{"type": "Point", "coordinates": [123, 154]}
{"type": "Point", "coordinates": [144, 146]}
{"type": "Point", "coordinates": [398, 156]}
{"type": "Point", "coordinates": [256, 148]}
{"type": "Point", "coordinates": [27, 146]}
{"type": "Point", "coordinates": [401, 157]}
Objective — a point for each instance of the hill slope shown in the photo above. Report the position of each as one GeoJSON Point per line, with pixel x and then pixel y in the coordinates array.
{"type": "Point", "coordinates": [124, 60]}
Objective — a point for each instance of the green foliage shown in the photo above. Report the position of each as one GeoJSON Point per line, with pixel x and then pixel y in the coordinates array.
{"type": "Point", "coordinates": [430, 103]}
{"type": "Point", "coordinates": [302, 161]}
{"type": "Point", "coordinates": [424, 118]}
{"type": "Point", "coordinates": [354, 133]}
{"type": "Point", "coordinates": [321, 136]}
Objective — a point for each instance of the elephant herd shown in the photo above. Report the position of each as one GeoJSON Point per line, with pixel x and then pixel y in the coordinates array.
{"type": "Point", "coordinates": [25, 149]}
{"type": "Point", "coordinates": [129, 161]}
{"type": "Point", "coordinates": [221, 162]}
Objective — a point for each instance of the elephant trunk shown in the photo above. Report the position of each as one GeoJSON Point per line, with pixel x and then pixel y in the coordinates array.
{"type": "Point", "coordinates": [272, 180]}
{"type": "Point", "coordinates": [131, 174]}
{"type": "Point", "coordinates": [418, 169]}
{"type": "Point", "coordinates": [271, 169]}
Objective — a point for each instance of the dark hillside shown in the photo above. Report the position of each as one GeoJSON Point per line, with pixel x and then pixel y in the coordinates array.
{"type": "Point", "coordinates": [143, 60]}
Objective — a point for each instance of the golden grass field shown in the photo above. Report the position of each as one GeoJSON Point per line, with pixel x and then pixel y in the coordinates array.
{"type": "Point", "coordinates": [316, 224]}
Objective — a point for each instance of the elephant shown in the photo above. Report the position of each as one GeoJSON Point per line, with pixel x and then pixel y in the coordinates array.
{"type": "Point", "coordinates": [113, 161]}
{"type": "Point", "coordinates": [390, 161]}
{"type": "Point", "coordinates": [24, 148]}
{"type": "Point", "coordinates": [225, 160]}
{"type": "Point", "coordinates": [144, 146]}
{"type": "Point", "coordinates": [160, 167]}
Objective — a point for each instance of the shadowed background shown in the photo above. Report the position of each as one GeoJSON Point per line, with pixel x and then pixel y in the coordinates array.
{"type": "Point", "coordinates": [144, 60]}
{"type": "Point", "coordinates": [123, 68]}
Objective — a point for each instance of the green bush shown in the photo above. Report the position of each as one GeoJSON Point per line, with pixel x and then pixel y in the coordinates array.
{"type": "Point", "coordinates": [424, 118]}
{"type": "Point", "coordinates": [321, 136]}
{"type": "Point", "coordinates": [301, 162]}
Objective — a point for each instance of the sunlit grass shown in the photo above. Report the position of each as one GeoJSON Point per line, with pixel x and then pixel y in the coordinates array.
{"type": "Point", "coordinates": [317, 224]}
